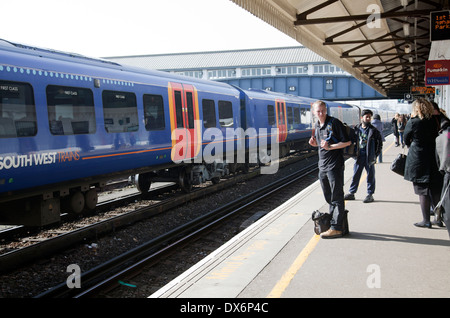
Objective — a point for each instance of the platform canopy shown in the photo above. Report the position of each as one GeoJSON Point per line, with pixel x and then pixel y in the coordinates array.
{"type": "Point", "coordinates": [383, 43]}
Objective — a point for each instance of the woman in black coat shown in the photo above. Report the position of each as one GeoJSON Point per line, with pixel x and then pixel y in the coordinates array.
{"type": "Point", "coordinates": [421, 168]}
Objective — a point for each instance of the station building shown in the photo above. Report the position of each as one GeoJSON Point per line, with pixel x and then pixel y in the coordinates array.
{"type": "Point", "coordinates": [293, 70]}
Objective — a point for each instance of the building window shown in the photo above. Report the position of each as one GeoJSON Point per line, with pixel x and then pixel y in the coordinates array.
{"type": "Point", "coordinates": [247, 72]}
{"type": "Point", "coordinates": [195, 74]}
{"type": "Point", "coordinates": [327, 69]}
{"type": "Point", "coordinates": [292, 70]}
{"type": "Point", "coordinates": [227, 73]}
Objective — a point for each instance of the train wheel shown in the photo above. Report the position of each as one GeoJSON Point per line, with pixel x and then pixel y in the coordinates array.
{"type": "Point", "coordinates": [143, 182]}
{"type": "Point", "coordinates": [91, 199]}
{"type": "Point", "coordinates": [76, 202]}
{"type": "Point", "coordinates": [184, 180]}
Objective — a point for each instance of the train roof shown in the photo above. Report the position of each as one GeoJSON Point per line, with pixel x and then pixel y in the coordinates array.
{"type": "Point", "coordinates": [97, 67]}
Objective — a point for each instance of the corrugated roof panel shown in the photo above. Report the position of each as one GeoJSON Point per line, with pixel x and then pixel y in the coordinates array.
{"type": "Point", "coordinates": [222, 59]}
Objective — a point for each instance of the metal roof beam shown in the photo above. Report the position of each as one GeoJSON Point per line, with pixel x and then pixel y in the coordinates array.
{"type": "Point", "coordinates": [303, 15]}
{"type": "Point", "coordinates": [369, 56]}
{"type": "Point", "coordinates": [357, 26]}
{"type": "Point", "coordinates": [410, 39]}
{"type": "Point", "coordinates": [387, 64]}
{"type": "Point", "coordinates": [351, 18]}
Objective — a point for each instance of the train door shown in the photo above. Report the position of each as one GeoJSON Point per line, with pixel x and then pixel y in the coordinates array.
{"type": "Point", "coordinates": [281, 119]}
{"type": "Point", "coordinates": [184, 121]}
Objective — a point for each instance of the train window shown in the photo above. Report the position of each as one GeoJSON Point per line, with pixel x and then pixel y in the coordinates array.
{"type": "Point", "coordinates": [120, 112]}
{"type": "Point", "coordinates": [70, 110]}
{"type": "Point", "coordinates": [271, 115]}
{"type": "Point", "coordinates": [305, 116]}
{"type": "Point", "coordinates": [296, 116]}
{"type": "Point", "coordinates": [209, 113]}
{"type": "Point", "coordinates": [17, 110]}
{"type": "Point", "coordinates": [179, 109]}
{"type": "Point", "coordinates": [154, 112]}
{"type": "Point", "coordinates": [190, 109]}
{"type": "Point", "coordinates": [225, 114]}
{"type": "Point", "coordinates": [290, 114]}
{"type": "Point", "coordinates": [280, 114]}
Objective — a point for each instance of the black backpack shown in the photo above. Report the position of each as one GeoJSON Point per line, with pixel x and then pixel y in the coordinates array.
{"type": "Point", "coordinates": [349, 151]}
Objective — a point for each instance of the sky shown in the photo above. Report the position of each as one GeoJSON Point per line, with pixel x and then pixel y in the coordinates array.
{"type": "Point", "coordinates": [102, 28]}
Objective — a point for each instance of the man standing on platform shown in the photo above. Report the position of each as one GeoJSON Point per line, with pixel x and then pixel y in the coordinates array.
{"type": "Point", "coordinates": [369, 146]}
{"type": "Point", "coordinates": [330, 136]}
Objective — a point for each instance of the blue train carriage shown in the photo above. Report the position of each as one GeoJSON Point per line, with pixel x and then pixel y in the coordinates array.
{"type": "Point", "coordinates": [386, 118]}
{"type": "Point", "coordinates": [346, 113]}
{"type": "Point", "coordinates": [70, 123]}
{"type": "Point", "coordinates": [276, 117]}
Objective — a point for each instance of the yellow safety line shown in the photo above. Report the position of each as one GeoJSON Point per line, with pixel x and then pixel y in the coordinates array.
{"type": "Point", "coordinates": [280, 287]}
{"type": "Point", "coordinates": [287, 277]}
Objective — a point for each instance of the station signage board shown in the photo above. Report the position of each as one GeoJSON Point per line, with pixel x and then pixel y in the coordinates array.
{"type": "Point", "coordinates": [437, 72]}
{"type": "Point", "coordinates": [422, 90]}
{"type": "Point", "coordinates": [440, 25]}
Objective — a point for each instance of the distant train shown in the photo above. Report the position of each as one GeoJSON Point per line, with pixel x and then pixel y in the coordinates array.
{"type": "Point", "coordinates": [69, 123]}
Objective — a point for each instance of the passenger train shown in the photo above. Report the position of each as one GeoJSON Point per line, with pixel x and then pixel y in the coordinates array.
{"type": "Point", "coordinates": [69, 123]}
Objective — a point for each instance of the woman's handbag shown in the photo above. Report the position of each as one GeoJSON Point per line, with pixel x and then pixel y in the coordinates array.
{"type": "Point", "coordinates": [398, 165]}
{"type": "Point", "coordinates": [438, 210]}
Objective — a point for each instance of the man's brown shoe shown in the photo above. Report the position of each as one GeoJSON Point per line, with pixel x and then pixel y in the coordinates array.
{"type": "Point", "coordinates": [331, 234]}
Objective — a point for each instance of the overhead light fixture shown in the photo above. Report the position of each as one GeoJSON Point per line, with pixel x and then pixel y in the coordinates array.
{"type": "Point", "coordinates": [406, 28]}
{"type": "Point", "coordinates": [404, 2]}
{"type": "Point", "coordinates": [408, 49]}
{"type": "Point", "coordinates": [410, 59]}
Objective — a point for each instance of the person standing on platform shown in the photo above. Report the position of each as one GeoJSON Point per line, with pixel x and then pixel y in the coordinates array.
{"type": "Point", "coordinates": [401, 124]}
{"type": "Point", "coordinates": [330, 137]}
{"type": "Point", "coordinates": [421, 167]}
{"type": "Point", "coordinates": [369, 146]}
{"type": "Point", "coordinates": [376, 122]}
{"type": "Point", "coordinates": [395, 128]}
{"type": "Point", "coordinates": [443, 162]}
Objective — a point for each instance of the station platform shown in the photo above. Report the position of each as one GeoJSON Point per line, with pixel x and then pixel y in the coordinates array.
{"type": "Point", "coordinates": [280, 256]}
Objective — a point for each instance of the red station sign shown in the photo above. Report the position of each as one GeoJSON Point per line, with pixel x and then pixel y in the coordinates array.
{"type": "Point", "coordinates": [437, 72]}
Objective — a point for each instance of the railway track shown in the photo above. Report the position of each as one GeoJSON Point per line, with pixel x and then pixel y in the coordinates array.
{"type": "Point", "coordinates": [62, 240]}
{"type": "Point", "coordinates": [106, 277]}
{"type": "Point", "coordinates": [77, 243]}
